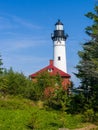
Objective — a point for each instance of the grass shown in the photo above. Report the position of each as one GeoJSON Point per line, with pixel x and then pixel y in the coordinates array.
{"type": "Point", "coordinates": [14, 113]}
{"type": "Point", "coordinates": [13, 119]}
{"type": "Point", "coordinates": [33, 118]}
{"type": "Point", "coordinates": [23, 114]}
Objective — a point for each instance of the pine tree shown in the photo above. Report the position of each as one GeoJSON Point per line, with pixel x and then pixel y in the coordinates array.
{"type": "Point", "coordinates": [88, 65]}
{"type": "Point", "coordinates": [1, 63]}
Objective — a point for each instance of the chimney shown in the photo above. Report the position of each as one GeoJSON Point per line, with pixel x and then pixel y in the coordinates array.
{"type": "Point", "coordinates": [51, 62]}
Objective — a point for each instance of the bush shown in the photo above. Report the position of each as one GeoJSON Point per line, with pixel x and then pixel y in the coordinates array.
{"type": "Point", "coordinates": [89, 116]}
{"type": "Point", "coordinates": [14, 103]}
{"type": "Point", "coordinates": [45, 120]}
{"type": "Point", "coordinates": [58, 99]}
{"type": "Point", "coordinates": [76, 104]}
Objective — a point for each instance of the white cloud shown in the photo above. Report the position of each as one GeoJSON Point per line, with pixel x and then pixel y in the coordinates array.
{"type": "Point", "coordinates": [20, 44]}
{"type": "Point", "coordinates": [12, 22]}
{"type": "Point", "coordinates": [21, 54]}
{"type": "Point", "coordinates": [18, 49]}
{"type": "Point", "coordinates": [12, 25]}
{"type": "Point", "coordinates": [25, 23]}
{"type": "Point", "coordinates": [5, 23]}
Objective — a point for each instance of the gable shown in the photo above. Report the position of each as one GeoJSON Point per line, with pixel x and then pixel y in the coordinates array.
{"type": "Point", "coordinates": [52, 70]}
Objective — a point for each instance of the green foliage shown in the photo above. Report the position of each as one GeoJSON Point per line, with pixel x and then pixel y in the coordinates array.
{"type": "Point", "coordinates": [89, 116]}
{"type": "Point", "coordinates": [43, 81]}
{"type": "Point", "coordinates": [71, 121]}
{"type": "Point", "coordinates": [14, 119]}
{"type": "Point", "coordinates": [3, 85]}
{"type": "Point", "coordinates": [58, 100]}
{"type": "Point", "coordinates": [13, 103]}
{"type": "Point", "coordinates": [53, 120]}
{"type": "Point", "coordinates": [77, 103]}
{"type": "Point", "coordinates": [58, 80]}
{"type": "Point", "coordinates": [45, 120]}
{"type": "Point", "coordinates": [1, 63]}
{"type": "Point", "coordinates": [88, 65]}
{"type": "Point", "coordinates": [17, 113]}
{"type": "Point", "coordinates": [36, 119]}
{"type": "Point", "coordinates": [15, 83]}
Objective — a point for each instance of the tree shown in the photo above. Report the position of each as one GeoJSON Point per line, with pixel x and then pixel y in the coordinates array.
{"type": "Point", "coordinates": [15, 83]}
{"type": "Point", "coordinates": [58, 100]}
{"type": "Point", "coordinates": [1, 63]}
{"type": "Point", "coordinates": [45, 84]}
{"type": "Point", "coordinates": [3, 80]}
{"type": "Point", "coordinates": [18, 83]}
{"type": "Point", "coordinates": [88, 65]}
{"type": "Point", "coordinates": [44, 80]}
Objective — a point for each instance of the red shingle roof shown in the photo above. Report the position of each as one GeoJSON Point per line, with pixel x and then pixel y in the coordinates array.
{"type": "Point", "coordinates": [52, 70]}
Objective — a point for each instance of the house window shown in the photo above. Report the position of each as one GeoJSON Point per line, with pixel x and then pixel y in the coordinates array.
{"type": "Point", "coordinates": [59, 58]}
{"type": "Point", "coordinates": [50, 70]}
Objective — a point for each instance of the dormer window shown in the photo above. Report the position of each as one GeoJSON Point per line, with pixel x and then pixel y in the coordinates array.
{"type": "Point", "coordinates": [50, 70]}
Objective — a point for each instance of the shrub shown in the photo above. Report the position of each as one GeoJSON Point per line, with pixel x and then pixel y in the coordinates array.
{"type": "Point", "coordinates": [76, 104]}
{"type": "Point", "coordinates": [58, 99]}
{"type": "Point", "coordinates": [13, 103]}
{"type": "Point", "coordinates": [45, 120]}
{"type": "Point", "coordinates": [88, 116]}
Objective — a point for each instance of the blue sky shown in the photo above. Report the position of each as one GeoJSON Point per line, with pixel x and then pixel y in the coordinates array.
{"type": "Point", "coordinates": [26, 27]}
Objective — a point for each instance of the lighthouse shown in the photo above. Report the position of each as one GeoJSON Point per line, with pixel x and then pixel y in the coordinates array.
{"type": "Point", "coordinates": [59, 47]}
{"type": "Point", "coordinates": [58, 64]}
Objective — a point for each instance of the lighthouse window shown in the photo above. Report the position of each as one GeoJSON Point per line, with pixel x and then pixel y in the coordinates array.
{"type": "Point", "coordinates": [59, 58]}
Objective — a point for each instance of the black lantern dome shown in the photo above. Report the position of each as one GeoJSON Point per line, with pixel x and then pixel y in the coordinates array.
{"type": "Point", "coordinates": [59, 32]}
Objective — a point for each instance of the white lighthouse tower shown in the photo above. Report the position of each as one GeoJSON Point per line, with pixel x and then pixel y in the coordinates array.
{"type": "Point", "coordinates": [59, 47]}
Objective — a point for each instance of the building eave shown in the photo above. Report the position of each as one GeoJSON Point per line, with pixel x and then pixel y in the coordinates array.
{"type": "Point", "coordinates": [53, 71]}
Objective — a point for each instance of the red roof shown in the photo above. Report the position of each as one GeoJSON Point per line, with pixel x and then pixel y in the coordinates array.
{"type": "Point", "coordinates": [52, 70]}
